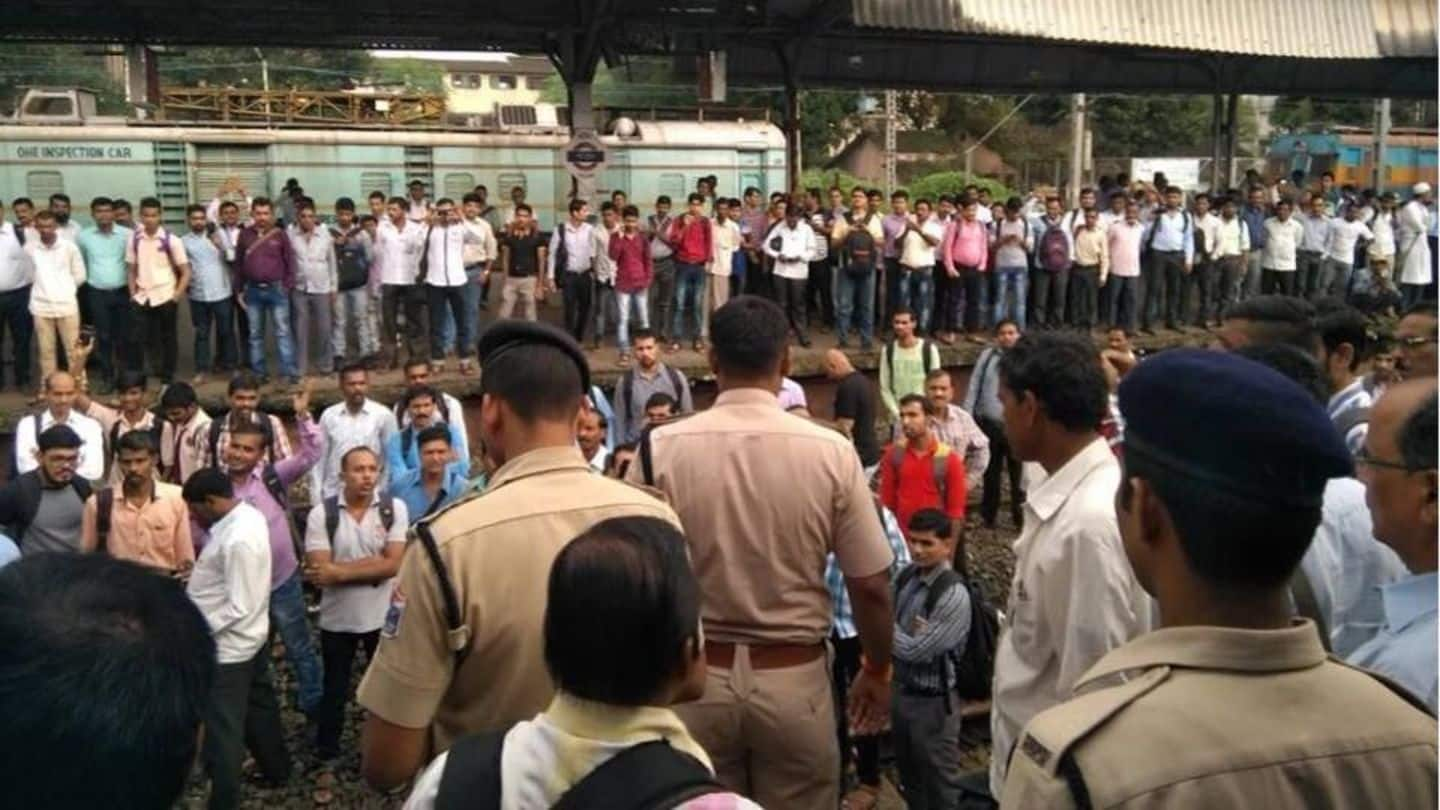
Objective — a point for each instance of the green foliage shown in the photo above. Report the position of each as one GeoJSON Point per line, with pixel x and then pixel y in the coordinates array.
{"type": "Point", "coordinates": [823, 179]}
{"type": "Point", "coordinates": [931, 186]}
{"type": "Point", "coordinates": [24, 65]}
{"type": "Point", "coordinates": [1299, 112]}
{"type": "Point", "coordinates": [300, 69]}
{"type": "Point", "coordinates": [1137, 126]}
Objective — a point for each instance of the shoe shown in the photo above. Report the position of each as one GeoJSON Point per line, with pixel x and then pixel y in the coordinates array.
{"type": "Point", "coordinates": [338, 362]}
{"type": "Point", "coordinates": [866, 345]}
{"type": "Point", "coordinates": [292, 381]}
{"type": "Point", "coordinates": [842, 343]}
{"type": "Point", "coordinates": [804, 342]}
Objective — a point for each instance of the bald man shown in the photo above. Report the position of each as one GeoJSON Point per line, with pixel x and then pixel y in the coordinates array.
{"type": "Point", "coordinates": [60, 392]}
{"type": "Point", "coordinates": [1397, 466]}
{"type": "Point", "coordinates": [1416, 335]}
{"type": "Point", "coordinates": [855, 402]}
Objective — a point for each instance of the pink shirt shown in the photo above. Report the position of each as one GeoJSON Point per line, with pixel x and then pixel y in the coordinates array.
{"type": "Point", "coordinates": [1125, 248]}
{"type": "Point", "coordinates": [966, 244]}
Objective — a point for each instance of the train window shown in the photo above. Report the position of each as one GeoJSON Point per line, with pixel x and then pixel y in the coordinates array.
{"type": "Point", "coordinates": [49, 106]}
{"type": "Point", "coordinates": [40, 185]}
{"type": "Point", "coordinates": [458, 184]}
{"type": "Point", "coordinates": [375, 181]}
{"type": "Point", "coordinates": [503, 82]}
{"type": "Point", "coordinates": [509, 180]}
{"type": "Point", "coordinates": [672, 184]}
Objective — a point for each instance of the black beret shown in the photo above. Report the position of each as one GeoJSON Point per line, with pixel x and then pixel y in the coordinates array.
{"type": "Point", "coordinates": [1230, 423]}
{"type": "Point", "coordinates": [507, 334]}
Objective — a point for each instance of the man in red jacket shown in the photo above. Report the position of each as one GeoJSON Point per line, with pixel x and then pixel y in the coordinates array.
{"type": "Point", "coordinates": [921, 472]}
{"type": "Point", "coordinates": [694, 245]}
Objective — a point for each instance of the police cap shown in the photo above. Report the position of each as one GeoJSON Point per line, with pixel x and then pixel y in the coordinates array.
{"type": "Point", "coordinates": [1230, 423]}
{"type": "Point", "coordinates": [504, 335]}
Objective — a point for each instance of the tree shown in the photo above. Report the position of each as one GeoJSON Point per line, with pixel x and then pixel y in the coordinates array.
{"type": "Point", "coordinates": [301, 69]}
{"type": "Point", "coordinates": [27, 64]}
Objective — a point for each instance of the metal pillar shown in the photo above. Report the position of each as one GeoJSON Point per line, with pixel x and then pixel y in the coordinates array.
{"type": "Point", "coordinates": [1232, 138]}
{"type": "Point", "coordinates": [890, 115]}
{"type": "Point", "coordinates": [793, 167]}
{"type": "Point", "coordinates": [1217, 135]}
{"type": "Point", "coordinates": [1077, 148]}
{"type": "Point", "coordinates": [1382, 134]}
{"type": "Point", "coordinates": [137, 87]}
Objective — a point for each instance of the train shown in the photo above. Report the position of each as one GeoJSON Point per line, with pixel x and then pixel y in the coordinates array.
{"type": "Point", "coordinates": [56, 143]}
{"type": "Point", "coordinates": [1349, 152]}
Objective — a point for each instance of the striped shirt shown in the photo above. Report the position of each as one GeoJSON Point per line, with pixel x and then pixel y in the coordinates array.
{"type": "Point", "coordinates": [844, 616]}
{"type": "Point", "coordinates": [918, 648]}
{"type": "Point", "coordinates": [1345, 401]}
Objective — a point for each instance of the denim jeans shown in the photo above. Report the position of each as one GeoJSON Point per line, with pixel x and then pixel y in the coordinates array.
{"type": "Point", "coordinates": [287, 615]}
{"type": "Point", "coordinates": [689, 286]}
{"type": "Point", "coordinates": [917, 294]}
{"type": "Point", "coordinates": [604, 302]}
{"type": "Point", "coordinates": [110, 313]}
{"type": "Point", "coordinates": [272, 303]}
{"type": "Point", "coordinates": [15, 317]}
{"type": "Point", "coordinates": [354, 305]}
{"type": "Point", "coordinates": [451, 301]}
{"type": "Point", "coordinates": [202, 314]}
{"type": "Point", "coordinates": [1010, 280]}
{"type": "Point", "coordinates": [623, 302]}
{"type": "Point", "coordinates": [1123, 292]}
{"type": "Point", "coordinates": [855, 296]}
{"type": "Point", "coordinates": [314, 317]}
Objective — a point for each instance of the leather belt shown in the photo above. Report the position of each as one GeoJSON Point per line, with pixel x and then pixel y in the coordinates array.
{"type": "Point", "coordinates": [721, 654]}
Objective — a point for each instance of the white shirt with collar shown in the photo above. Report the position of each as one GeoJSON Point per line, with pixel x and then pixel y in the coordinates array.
{"type": "Point", "coordinates": [59, 271]}
{"type": "Point", "coordinates": [1283, 239]}
{"type": "Point", "coordinates": [483, 249]}
{"type": "Point", "coordinates": [579, 248]}
{"type": "Point", "coordinates": [92, 442]}
{"type": "Point", "coordinates": [358, 607]}
{"type": "Point", "coordinates": [1209, 224]}
{"type": "Point", "coordinates": [445, 254]}
{"type": "Point", "coordinates": [397, 251]}
{"type": "Point", "coordinates": [230, 584]}
{"type": "Point", "coordinates": [1232, 238]}
{"type": "Point", "coordinates": [340, 432]}
{"type": "Point", "coordinates": [16, 270]}
{"type": "Point", "coordinates": [1073, 598]}
{"type": "Point", "coordinates": [417, 210]}
{"type": "Point", "coordinates": [1344, 235]}
{"type": "Point", "coordinates": [792, 257]}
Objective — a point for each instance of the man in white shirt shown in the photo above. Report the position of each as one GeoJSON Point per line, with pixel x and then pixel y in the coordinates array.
{"type": "Point", "coordinates": [398, 245]}
{"type": "Point", "coordinates": [230, 584]}
{"type": "Point", "coordinates": [445, 278]}
{"type": "Point", "coordinates": [316, 284]}
{"type": "Point", "coordinates": [790, 245]}
{"type": "Point", "coordinates": [1230, 254]}
{"type": "Point", "coordinates": [1412, 256]}
{"type": "Point", "coordinates": [1283, 235]}
{"type": "Point", "coordinates": [1203, 276]}
{"type": "Point", "coordinates": [1310, 255]}
{"type": "Point", "coordinates": [16, 275]}
{"type": "Point", "coordinates": [355, 421]}
{"type": "Point", "coordinates": [725, 235]}
{"type": "Point", "coordinates": [1345, 233]}
{"type": "Point", "coordinates": [54, 303]}
{"type": "Point", "coordinates": [604, 298]}
{"type": "Point", "coordinates": [479, 254]}
{"type": "Point", "coordinates": [159, 277]}
{"type": "Point", "coordinates": [917, 263]}
{"type": "Point", "coordinates": [353, 546]}
{"type": "Point", "coordinates": [1170, 243]}
{"type": "Point", "coordinates": [1074, 596]}
{"type": "Point", "coordinates": [60, 394]}
{"type": "Point", "coordinates": [417, 206]}
{"type": "Point", "coordinates": [572, 266]}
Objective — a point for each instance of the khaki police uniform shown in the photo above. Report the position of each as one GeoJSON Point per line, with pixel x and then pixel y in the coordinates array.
{"type": "Point", "coordinates": [497, 548]}
{"type": "Point", "coordinates": [1216, 717]}
{"type": "Point", "coordinates": [765, 496]}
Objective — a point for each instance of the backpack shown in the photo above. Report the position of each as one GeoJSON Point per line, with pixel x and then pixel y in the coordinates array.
{"type": "Point", "coordinates": [354, 268]}
{"type": "Point", "coordinates": [1155, 228]}
{"type": "Point", "coordinates": [332, 515]}
{"type": "Point", "coordinates": [890, 358]}
{"type": "Point", "coordinates": [647, 776]}
{"type": "Point", "coordinates": [1054, 251]}
{"type": "Point", "coordinates": [29, 491]}
{"type": "Point", "coordinates": [939, 465]}
{"type": "Point", "coordinates": [217, 426]}
{"type": "Point", "coordinates": [164, 243]}
{"type": "Point", "coordinates": [859, 245]}
{"type": "Point", "coordinates": [627, 385]}
{"type": "Point", "coordinates": [975, 662]}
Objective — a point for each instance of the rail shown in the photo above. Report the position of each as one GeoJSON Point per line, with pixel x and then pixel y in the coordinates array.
{"type": "Point", "coordinates": [231, 105]}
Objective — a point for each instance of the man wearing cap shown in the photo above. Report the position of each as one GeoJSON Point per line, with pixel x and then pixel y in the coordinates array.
{"type": "Point", "coordinates": [417, 206]}
{"type": "Point", "coordinates": [1214, 535]}
{"type": "Point", "coordinates": [461, 648]}
{"type": "Point", "coordinates": [1412, 249]}
{"type": "Point", "coordinates": [765, 497]}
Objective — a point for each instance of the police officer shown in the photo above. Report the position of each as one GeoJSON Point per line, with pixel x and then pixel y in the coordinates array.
{"type": "Point", "coordinates": [461, 647]}
{"type": "Point", "coordinates": [1231, 700]}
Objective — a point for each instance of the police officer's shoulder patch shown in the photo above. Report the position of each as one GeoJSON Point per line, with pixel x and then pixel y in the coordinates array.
{"type": "Point", "coordinates": [395, 612]}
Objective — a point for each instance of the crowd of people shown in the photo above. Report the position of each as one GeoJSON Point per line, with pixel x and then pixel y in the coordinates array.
{"type": "Point", "coordinates": [1196, 615]}
{"type": "Point", "coordinates": [409, 276]}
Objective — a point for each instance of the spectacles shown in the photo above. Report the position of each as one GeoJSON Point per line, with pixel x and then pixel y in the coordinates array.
{"type": "Point", "coordinates": [1417, 340]}
{"type": "Point", "coordinates": [1362, 456]}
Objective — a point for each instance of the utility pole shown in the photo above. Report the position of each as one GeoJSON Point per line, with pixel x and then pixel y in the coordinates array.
{"type": "Point", "coordinates": [1077, 147]}
{"type": "Point", "coordinates": [890, 115]}
{"type": "Point", "coordinates": [264, 81]}
{"type": "Point", "coordinates": [1382, 133]}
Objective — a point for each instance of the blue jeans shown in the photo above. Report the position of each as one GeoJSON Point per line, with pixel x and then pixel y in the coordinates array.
{"type": "Point", "coordinates": [221, 313]}
{"type": "Point", "coordinates": [855, 296]}
{"type": "Point", "coordinates": [1006, 280]}
{"type": "Point", "coordinates": [623, 302]}
{"type": "Point", "coordinates": [474, 278]}
{"type": "Point", "coordinates": [287, 616]}
{"type": "Point", "coordinates": [689, 284]}
{"type": "Point", "coordinates": [270, 302]}
{"type": "Point", "coordinates": [916, 292]}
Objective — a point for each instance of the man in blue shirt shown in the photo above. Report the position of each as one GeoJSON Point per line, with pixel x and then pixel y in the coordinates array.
{"type": "Point", "coordinates": [1255, 212]}
{"type": "Point", "coordinates": [1170, 243]}
{"type": "Point", "coordinates": [435, 483]}
{"type": "Point", "coordinates": [402, 449]}
{"type": "Point", "coordinates": [1398, 465]}
{"type": "Point", "coordinates": [211, 301]}
{"type": "Point", "coordinates": [102, 246]}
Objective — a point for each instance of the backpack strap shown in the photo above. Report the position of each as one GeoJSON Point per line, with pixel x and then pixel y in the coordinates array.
{"type": "Point", "coordinates": [470, 779]}
{"type": "Point", "coordinates": [890, 361]}
{"type": "Point", "coordinates": [677, 382]}
{"type": "Point", "coordinates": [939, 463]}
{"type": "Point", "coordinates": [332, 518]}
{"type": "Point", "coordinates": [648, 776]}
{"type": "Point", "coordinates": [104, 506]}
{"type": "Point", "coordinates": [627, 391]}
{"type": "Point", "coordinates": [387, 512]}
{"type": "Point", "coordinates": [217, 426]}
{"type": "Point", "coordinates": [457, 633]}
{"type": "Point", "coordinates": [924, 358]}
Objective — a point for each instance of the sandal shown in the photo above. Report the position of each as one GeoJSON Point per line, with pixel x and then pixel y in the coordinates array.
{"type": "Point", "coordinates": [324, 781]}
{"type": "Point", "coordinates": [862, 797]}
{"type": "Point", "coordinates": [466, 369]}
{"type": "Point", "coordinates": [674, 347]}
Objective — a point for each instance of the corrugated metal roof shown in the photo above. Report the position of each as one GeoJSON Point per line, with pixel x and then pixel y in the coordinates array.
{"type": "Point", "coordinates": [1307, 29]}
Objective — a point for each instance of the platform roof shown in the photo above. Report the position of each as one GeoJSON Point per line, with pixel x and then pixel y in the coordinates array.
{"type": "Point", "coordinates": [1364, 48]}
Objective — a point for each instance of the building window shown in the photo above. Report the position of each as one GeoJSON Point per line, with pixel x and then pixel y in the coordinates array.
{"type": "Point", "coordinates": [673, 185]}
{"type": "Point", "coordinates": [503, 82]}
{"type": "Point", "coordinates": [375, 181]}
{"type": "Point", "coordinates": [458, 184]}
{"type": "Point", "coordinates": [40, 185]}
{"type": "Point", "coordinates": [509, 180]}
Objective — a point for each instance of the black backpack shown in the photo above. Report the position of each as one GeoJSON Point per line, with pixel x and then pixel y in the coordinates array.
{"type": "Point", "coordinates": [627, 386]}
{"type": "Point", "coordinates": [924, 357]}
{"type": "Point", "coordinates": [975, 662]}
{"type": "Point", "coordinates": [29, 490]}
{"type": "Point", "coordinates": [332, 515]}
{"type": "Point", "coordinates": [354, 269]}
{"type": "Point", "coordinates": [647, 776]}
{"type": "Point", "coordinates": [859, 246]}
